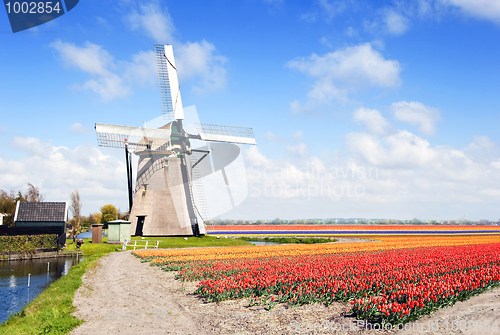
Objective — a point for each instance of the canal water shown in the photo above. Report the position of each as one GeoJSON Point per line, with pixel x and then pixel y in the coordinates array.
{"type": "Point", "coordinates": [88, 234]}
{"type": "Point", "coordinates": [14, 291]}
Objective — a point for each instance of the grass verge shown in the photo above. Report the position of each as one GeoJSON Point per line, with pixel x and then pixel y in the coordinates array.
{"type": "Point", "coordinates": [202, 241]}
{"type": "Point", "coordinates": [89, 249]}
{"type": "Point", "coordinates": [50, 312]}
{"type": "Point", "coordinates": [289, 240]}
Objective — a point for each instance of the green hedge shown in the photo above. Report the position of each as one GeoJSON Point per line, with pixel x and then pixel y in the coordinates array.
{"type": "Point", "coordinates": [27, 243]}
{"type": "Point", "coordinates": [286, 240]}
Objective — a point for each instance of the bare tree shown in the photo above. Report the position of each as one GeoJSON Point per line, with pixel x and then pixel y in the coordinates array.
{"type": "Point", "coordinates": [76, 210]}
{"type": "Point", "coordinates": [33, 194]}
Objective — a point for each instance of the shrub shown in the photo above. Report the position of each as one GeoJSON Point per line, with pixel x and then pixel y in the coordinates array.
{"type": "Point", "coordinates": [27, 244]}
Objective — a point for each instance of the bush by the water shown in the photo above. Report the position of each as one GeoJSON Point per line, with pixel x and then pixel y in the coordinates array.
{"type": "Point", "coordinates": [289, 240]}
{"type": "Point", "coordinates": [27, 243]}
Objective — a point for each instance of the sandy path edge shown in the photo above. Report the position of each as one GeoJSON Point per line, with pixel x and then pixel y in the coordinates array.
{"type": "Point", "coordinates": [123, 295]}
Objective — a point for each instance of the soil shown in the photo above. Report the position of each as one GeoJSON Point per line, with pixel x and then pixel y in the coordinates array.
{"type": "Point", "coordinates": [124, 296]}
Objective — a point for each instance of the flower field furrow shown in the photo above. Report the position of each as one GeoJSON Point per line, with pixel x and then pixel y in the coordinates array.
{"type": "Point", "coordinates": [396, 280]}
{"type": "Point", "coordinates": [162, 257]}
{"type": "Point", "coordinates": [353, 230]}
{"type": "Point", "coordinates": [356, 227]}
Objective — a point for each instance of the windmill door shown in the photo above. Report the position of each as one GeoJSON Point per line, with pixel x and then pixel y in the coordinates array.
{"type": "Point", "coordinates": [140, 225]}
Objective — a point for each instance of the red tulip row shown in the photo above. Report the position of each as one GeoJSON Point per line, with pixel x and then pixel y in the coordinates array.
{"type": "Point", "coordinates": [392, 286]}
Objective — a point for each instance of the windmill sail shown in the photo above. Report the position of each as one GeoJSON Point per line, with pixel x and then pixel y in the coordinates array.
{"type": "Point", "coordinates": [187, 171]}
{"type": "Point", "coordinates": [169, 84]}
{"type": "Point", "coordinates": [116, 136]}
{"type": "Point", "coordinates": [218, 133]}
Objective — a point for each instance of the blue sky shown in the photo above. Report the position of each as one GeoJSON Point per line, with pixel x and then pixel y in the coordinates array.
{"type": "Point", "coordinates": [368, 109]}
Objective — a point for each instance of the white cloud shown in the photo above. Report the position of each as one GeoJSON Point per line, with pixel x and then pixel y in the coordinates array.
{"type": "Point", "coordinates": [300, 150]}
{"type": "Point", "coordinates": [397, 18]}
{"type": "Point", "coordinates": [416, 113]}
{"type": "Point", "coordinates": [58, 170]}
{"type": "Point", "coordinates": [153, 21]}
{"type": "Point", "coordinates": [91, 58]}
{"type": "Point", "coordinates": [142, 69]}
{"type": "Point", "coordinates": [298, 135]}
{"type": "Point", "coordinates": [396, 23]}
{"type": "Point", "coordinates": [110, 79]}
{"type": "Point", "coordinates": [108, 87]}
{"type": "Point", "coordinates": [481, 143]}
{"type": "Point", "coordinates": [79, 128]}
{"type": "Point", "coordinates": [347, 70]}
{"type": "Point", "coordinates": [486, 9]}
{"type": "Point", "coordinates": [98, 63]}
{"type": "Point", "coordinates": [496, 164]}
{"type": "Point", "coordinates": [333, 8]}
{"type": "Point", "coordinates": [272, 137]}
{"type": "Point", "coordinates": [351, 32]}
{"type": "Point", "coordinates": [295, 107]}
{"type": "Point", "coordinates": [401, 149]}
{"type": "Point", "coordinates": [372, 120]}
{"type": "Point", "coordinates": [399, 175]}
{"type": "Point", "coordinates": [198, 61]}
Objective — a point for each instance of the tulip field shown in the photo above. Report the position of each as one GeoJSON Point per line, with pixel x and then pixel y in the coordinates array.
{"type": "Point", "coordinates": [395, 280]}
{"type": "Point", "coordinates": [352, 230]}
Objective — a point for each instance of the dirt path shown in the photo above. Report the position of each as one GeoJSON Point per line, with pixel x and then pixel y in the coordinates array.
{"type": "Point", "coordinates": [124, 296]}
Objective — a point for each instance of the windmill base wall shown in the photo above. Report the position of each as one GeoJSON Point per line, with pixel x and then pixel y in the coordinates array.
{"type": "Point", "coordinates": [163, 203]}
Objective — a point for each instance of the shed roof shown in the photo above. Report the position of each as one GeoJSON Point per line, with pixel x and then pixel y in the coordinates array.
{"type": "Point", "coordinates": [41, 212]}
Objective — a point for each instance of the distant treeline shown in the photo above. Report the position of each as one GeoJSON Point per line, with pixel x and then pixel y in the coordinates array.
{"type": "Point", "coordinates": [414, 221]}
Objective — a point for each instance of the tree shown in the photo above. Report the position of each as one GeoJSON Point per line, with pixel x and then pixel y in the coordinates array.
{"type": "Point", "coordinates": [8, 206]}
{"type": "Point", "coordinates": [76, 210]}
{"type": "Point", "coordinates": [33, 194]}
{"type": "Point", "coordinates": [96, 217]}
{"type": "Point", "coordinates": [8, 201]}
{"type": "Point", "coordinates": [276, 221]}
{"type": "Point", "coordinates": [109, 213]}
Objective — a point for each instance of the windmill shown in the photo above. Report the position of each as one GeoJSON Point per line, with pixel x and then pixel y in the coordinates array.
{"type": "Point", "coordinates": [168, 198]}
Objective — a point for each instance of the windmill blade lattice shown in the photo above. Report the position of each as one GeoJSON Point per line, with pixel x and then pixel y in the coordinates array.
{"type": "Point", "coordinates": [116, 136]}
{"type": "Point", "coordinates": [187, 171]}
{"type": "Point", "coordinates": [169, 84]}
{"type": "Point", "coordinates": [218, 133]}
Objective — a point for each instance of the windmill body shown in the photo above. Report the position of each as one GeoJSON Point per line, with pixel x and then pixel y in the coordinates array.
{"type": "Point", "coordinates": [166, 198]}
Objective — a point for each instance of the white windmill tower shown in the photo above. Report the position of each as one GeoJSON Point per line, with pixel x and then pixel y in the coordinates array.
{"type": "Point", "coordinates": [168, 199]}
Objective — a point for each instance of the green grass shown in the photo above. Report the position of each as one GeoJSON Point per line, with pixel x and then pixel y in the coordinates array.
{"type": "Point", "coordinates": [89, 249]}
{"type": "Point", "coordinates": [289, 240]}
{"type": "Point", "coordinates": [50, 312]}
{"type": "Point", "coordinates": [202, 241]}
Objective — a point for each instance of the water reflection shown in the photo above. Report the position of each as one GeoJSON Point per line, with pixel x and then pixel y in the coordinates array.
{"type": "Point", "coordinates": [88, 234]}
{"type": "Point", "coordinates": [14, 291]}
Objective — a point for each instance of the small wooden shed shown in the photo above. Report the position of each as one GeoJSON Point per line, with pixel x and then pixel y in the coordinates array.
{"type": "Point", "coordinates": [42, 218]}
